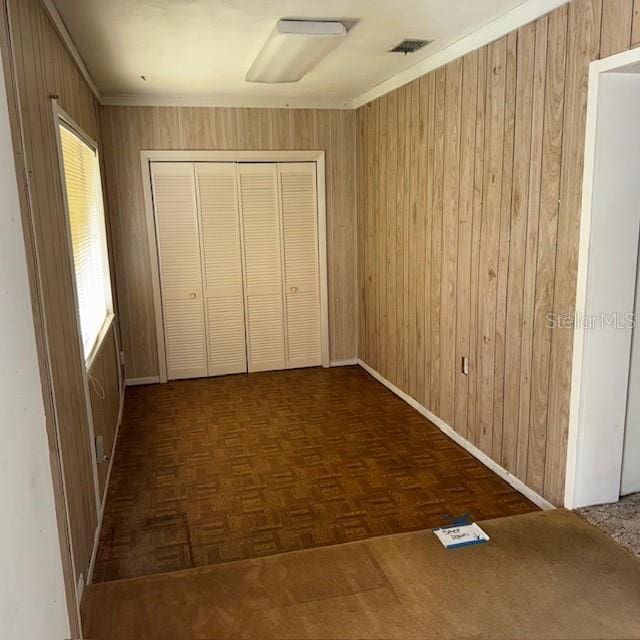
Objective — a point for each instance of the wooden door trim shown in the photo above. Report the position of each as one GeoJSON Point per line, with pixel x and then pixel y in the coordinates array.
{"type": "Point", "coordinates": [317, 156]}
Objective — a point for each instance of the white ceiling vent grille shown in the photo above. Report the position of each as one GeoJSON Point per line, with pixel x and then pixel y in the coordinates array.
{"type": "Point", "coordinates": [409, 46]}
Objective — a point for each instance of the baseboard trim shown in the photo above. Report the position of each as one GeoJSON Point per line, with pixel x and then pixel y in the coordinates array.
{"type": "Point", "coordinates": [96, 539]}
{"type": "Point", "coordinates": [516, 483]}
{"type": "Point", "coordinates": [133, 382]}
{"type": "Point", "coordinates": [343, 363]}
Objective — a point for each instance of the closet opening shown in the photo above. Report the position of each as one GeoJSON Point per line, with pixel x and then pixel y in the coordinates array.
{"type": "Point", "coordinates": [237, 242]}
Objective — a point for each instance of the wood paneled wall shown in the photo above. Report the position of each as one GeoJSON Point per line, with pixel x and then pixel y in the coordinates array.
{"type": "Point", "coordinates": [105, 394]}
{"type": "Point", "coordinates": [469, 193]}
{"type": "Point", "coordinates": [43, 67]}
{"type": "Point", "coordinates": [128, 130]}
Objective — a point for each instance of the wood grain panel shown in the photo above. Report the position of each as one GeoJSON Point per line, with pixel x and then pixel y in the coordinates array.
{"type": "Point", "coordinates": [44, 68]}
{"type": "Point", "coordinates": [465, 233]}
{"type": "Point", "coordinates": [363, 205]}
{"type": "Point", "coordinates": [617, 17]}
{"type": "Point", "coordinates": [436, 236]}
{"type": "Point", "coordinates": [381, 177]}
{"type": "Point", "coordinates": [401, 189]}
{"type": "Point", "coordinates": [635, 24]}
{"type": "Point", "coordinates": [531, 256]}
{"type": "Point", "coordinates": [372, 325]}
{"type": "Point", "coordinates": [547, 234]}
{"type": "Point", "coordinates": [404, 140]}
{"type": "Point", "coordinates": [424, 235]}
{"type": "Point", "coordinates": [582, 48]}
{"type": "Point", "coordinates": [362, 231]}
{"type": "Point", "coordinates": [490, 239]}
{"type": "Point", "coordinates": [504, 244]}
{"type": "Point", "coordinates": [494, 240]}
{"type": "Point", "coordinates": [450, 225]}
{"type": "Point", "coordinates": [104, 390]}
{"type": "Point", "coordinates": [428, 104]}
{"type": "Point", "coordinates": [472, 409]}
{"type": "Point", "coordinates": [127, 130]}
{"type": "Point", "coordinates": [411, 319]}
{"type": "Point", "coordinates": [390, 231]}
{"type": "Point", "coordinates": [339, 143]}
{"type": "Point", "coordinates": [517, 253]}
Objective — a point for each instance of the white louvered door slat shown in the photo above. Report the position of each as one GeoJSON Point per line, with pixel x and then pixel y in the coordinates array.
{"type": "Point", "coordinates": [263, 266]}
{"type": "Point", "coordinates": [180, 268]}
{"type": "Point", "coordinates": [222, 266]}
{"type": "Point", "coordinates": [301, 271]}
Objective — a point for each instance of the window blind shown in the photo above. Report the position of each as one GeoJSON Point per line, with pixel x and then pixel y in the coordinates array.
{"type": "Point", "coordinates": [86, 220]}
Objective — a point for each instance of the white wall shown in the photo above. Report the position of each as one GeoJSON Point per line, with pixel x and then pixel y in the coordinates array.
{"type": "Point", "coordinates": [606, 285]}
{"type": "Point", "coordinates": [32, 596]}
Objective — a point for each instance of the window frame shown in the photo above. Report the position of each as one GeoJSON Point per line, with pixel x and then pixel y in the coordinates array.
{"type": "Point", "coordinates": [63, 119]}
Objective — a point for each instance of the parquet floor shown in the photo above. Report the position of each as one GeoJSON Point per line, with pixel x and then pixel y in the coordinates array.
{"type": "Point", "coordinates": [220, 469]}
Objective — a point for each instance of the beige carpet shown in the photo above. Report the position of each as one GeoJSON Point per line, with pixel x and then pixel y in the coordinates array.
{"type": "Point", "coordinates": [543, 575]}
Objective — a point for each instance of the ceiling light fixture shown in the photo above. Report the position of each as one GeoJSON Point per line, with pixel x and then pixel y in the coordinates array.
{"type": "Point", "coordinates": [294, 48]}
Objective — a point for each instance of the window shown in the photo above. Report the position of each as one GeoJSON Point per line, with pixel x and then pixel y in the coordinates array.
{"type": "Point", "coordinates": [86, 222]}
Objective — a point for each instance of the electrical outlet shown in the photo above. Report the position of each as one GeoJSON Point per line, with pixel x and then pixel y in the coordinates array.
{"type": "Point", "coordinates": [465, 365]}
{"type": "Point", "coordinates": [101, 456]}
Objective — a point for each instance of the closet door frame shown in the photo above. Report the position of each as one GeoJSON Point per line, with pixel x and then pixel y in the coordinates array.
{"type": "Point", "coordinates": [149, 156]}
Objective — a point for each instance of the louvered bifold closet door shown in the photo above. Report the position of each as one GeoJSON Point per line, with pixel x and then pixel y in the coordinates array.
{"type": "Point", "coordinates": [222, 266]}
{"type": "Point", "coordinates": [180, 268]}
{"type": "Point", "coordinates": [263, 266]}
{"type": "Point", "coordinates": [301, 271]}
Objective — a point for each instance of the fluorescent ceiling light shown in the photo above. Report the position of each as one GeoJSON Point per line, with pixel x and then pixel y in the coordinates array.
{"type": "Point", "coordinates": [293, 49]}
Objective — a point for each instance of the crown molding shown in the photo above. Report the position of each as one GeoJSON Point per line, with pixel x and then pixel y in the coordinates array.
{"type": "Point", "coordinates": [63, 32]}
{"type": "Point", "coordinates": [519, 16]}
{"type": "Point", "coordinates": [223, 101]}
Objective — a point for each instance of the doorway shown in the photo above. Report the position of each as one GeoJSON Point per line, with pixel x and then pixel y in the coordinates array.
{"type": "Point", "coordinates": [604, 425]}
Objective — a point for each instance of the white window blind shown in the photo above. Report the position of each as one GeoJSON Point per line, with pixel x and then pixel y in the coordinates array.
{"type": "Point", "coordinates": [86, 220]}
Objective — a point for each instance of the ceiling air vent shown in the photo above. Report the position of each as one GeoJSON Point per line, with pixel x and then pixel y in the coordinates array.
{"type": "Point", "coordinates": [409, 46]}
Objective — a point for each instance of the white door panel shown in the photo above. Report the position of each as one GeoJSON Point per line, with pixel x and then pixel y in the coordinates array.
{"type": "Point", "coordinates": [263, 266]}
{"type": "Point", "coordinates": [222, 266]}
{"type": "Point", "coordinates": [239, 266]}
{"type": "Point", "coordinates": [180, 268]}
{"type": "Point", "coordinates": [301, 282]}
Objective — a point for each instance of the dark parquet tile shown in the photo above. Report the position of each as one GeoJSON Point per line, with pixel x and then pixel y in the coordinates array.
{"type": "Point", "coordinates": [236, 467]}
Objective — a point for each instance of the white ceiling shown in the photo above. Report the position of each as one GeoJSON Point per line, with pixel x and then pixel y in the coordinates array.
{"type": "Point", "coordinates": [198, 51]}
